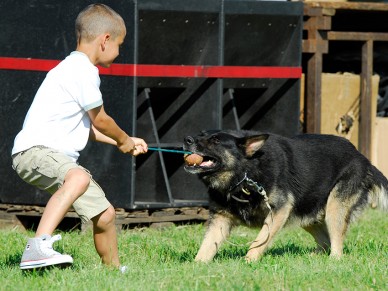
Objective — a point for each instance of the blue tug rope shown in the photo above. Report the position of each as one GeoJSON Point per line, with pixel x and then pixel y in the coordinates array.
{"type": "Point", "coordinates": [169, 151]}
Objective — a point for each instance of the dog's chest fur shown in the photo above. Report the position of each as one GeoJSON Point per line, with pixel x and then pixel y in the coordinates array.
{"type": "Point", "coordinates": [246, 209]}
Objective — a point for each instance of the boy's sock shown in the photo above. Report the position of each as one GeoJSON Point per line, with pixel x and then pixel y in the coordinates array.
{"type": "Point", "coordinates": [123, 269]}
{"type": "Point", "coordinates": [39, 252]}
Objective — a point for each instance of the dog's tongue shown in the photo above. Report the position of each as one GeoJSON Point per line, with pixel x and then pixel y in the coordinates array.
{"type": "Point", "coordinates": [193, 159]}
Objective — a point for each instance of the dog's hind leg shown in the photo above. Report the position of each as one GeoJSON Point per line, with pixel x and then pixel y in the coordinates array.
{"type": "Point", "coordinates": [338, 217]}
{"type": "Point", "coordinates": [321, 236]}
{"type": "Point", "coordinates": [217, 232]}
{"type": "Point", "coordinates": [272, 224]}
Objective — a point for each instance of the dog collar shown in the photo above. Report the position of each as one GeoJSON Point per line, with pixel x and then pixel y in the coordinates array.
{"type": "Point", "coordinates": [258, 188]}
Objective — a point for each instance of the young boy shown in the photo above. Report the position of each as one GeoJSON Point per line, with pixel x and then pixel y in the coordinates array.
{"type": "Point", "coordinates": [67, 111]}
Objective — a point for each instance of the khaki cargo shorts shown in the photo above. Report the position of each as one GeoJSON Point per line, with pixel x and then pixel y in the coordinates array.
{"type": "Point", "coordinates": [46, 169]}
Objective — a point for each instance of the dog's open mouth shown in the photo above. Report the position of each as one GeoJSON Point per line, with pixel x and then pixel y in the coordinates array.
{"type": "Point", "coordinates": [197, 162]}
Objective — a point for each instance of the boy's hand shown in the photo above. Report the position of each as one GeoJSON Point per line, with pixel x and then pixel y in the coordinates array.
{"type": "Point", "coordinates": [127, 145]}
{"type": "Point", "coordinates": [133, 146]}
{"type": "Point", "coordinates": [140, 146]}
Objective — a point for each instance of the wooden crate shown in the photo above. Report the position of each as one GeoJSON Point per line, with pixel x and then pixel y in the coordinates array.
{"type": "Point", "coordinates": [380, 145]}
{"type": "Point", "coordinates": [341, 98]}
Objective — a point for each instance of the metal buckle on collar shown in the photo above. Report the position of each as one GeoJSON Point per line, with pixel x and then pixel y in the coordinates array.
{"type": "Point", "coordinates": [258, 188]}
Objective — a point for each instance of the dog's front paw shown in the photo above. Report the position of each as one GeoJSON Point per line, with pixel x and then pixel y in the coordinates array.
{"type": "Point", "coordinates": [335, 256]}
{"type": "Point", "coordinates": [252, 256]}
{"type": "Point", "coordinates": [202, 259]}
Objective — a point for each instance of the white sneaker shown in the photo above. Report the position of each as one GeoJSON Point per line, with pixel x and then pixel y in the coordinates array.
{"type": "Point", "coordinates": [39, 252]}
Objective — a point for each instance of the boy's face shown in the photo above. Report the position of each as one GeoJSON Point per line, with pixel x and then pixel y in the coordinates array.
{"type": "Point", "coordinates": [111, 50]}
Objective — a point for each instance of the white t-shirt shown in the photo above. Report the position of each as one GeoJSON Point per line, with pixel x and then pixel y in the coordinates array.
{"type": "Point", "coordinates": [58, 115]}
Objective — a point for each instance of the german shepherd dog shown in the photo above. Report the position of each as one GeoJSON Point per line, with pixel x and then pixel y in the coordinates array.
{"type": "Point", "coordinates": [265, 180]}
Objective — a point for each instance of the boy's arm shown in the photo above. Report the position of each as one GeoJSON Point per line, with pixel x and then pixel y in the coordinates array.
{"type": "Point", "coordinates": [96, 135]}
{"type": "Point", "coordinates": [105, 129]}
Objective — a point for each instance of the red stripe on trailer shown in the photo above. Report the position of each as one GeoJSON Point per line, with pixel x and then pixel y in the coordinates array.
{"type": "Point", "coordinates": [27, 64]}
{"type": "Point", "coordinates": [178, 71]}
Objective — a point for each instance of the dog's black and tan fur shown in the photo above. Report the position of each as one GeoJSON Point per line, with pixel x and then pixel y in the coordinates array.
{"type": "Point", "coordinates": [319, 181]}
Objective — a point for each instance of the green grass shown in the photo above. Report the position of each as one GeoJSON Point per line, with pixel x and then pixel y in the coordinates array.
{"type": "Point", "coordinates": [163, 260]}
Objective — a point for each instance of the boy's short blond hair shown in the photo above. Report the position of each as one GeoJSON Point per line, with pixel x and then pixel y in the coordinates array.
{"type": "Point", "coordinates": [97, 19]}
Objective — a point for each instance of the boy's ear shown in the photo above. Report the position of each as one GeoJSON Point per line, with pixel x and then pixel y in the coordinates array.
{"type": "Point", "coordinates": [104, 38]}
{"type": "Point", "coordinates": [252, 144]}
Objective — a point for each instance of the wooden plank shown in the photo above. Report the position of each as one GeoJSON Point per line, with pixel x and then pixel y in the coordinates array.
{"type": "Point", "coordinates": [317, 11]}
{"type": "Point", "coordinates": [164, 212]}
{"type": "Point", "coordinates": [380, 145]}
{"type": "Point", "coordinates": [313, 94]}
{"type": "Point", "coordinates": [365, 129]}
{"type": "Point", "coordinates": [10, 214]}
{"type": "Point", "coordinates": [314, 23]}
{"type": "Point", "coordinates": [167, 218]}
{"type": "Point", "coordinates": [315, 46]}
{"type": "Point", "coordinates": [8, 220]}
{"type": "Point", "coordinates": [364, 6]}
{"type": "Point", "coordinates": [357, 36]}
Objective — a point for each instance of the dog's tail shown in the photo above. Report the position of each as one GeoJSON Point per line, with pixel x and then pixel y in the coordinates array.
{"type": "Point", "coordinates": [379, 193]}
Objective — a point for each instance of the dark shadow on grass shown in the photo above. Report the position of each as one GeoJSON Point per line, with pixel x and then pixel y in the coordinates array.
{"type": "Point", "coordinates": [172, 255]}
{"type": "Point", "coordinates": [185, 257]}
{"type": "Point", "coordinates": [169, 254]}
{"type": "Point", "coordinates": [234, 252]}
{"type": "Point", "coordinates": [240, 252]}
{"type": "Point", "coordinates": [43, 271]}
{"type": "Point", "coordinates": [12, 260]}
{"type": "Point", "coordinates": [289, 249]}
{"type": "Point", "coordinates": [231, 253]}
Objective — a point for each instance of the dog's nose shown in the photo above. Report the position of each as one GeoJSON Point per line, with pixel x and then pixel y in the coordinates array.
{"type": "Point", "coordinates": [189, 140]}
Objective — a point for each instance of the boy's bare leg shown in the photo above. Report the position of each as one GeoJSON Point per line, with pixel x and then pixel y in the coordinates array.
{"type": "Point", "coordinates": [76, 183]}
{"type": "Point", "coordinates": [105, 237]}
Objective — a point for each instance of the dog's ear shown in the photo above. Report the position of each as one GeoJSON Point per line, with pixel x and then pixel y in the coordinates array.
{"type": "Point", "coordinates": [253, 143]}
